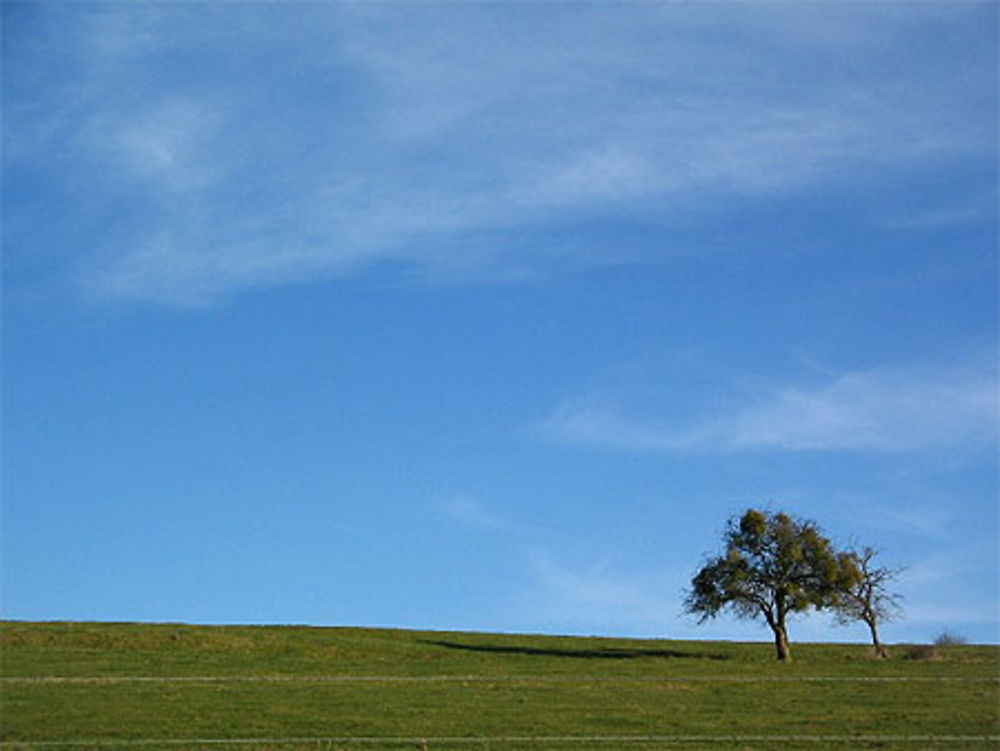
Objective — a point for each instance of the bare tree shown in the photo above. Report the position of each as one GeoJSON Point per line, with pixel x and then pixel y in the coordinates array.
{"type": "Point", "coordinates": [865, 595]}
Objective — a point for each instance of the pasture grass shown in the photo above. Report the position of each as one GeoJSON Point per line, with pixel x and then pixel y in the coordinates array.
{"type": "Point", "coordinates": [105, 686]}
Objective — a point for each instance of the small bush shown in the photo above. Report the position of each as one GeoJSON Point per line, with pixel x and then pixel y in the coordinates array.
{"type": "Point", "coordinates": [949, 639]}
{"type": "Point", "coordinates": [921, 652]}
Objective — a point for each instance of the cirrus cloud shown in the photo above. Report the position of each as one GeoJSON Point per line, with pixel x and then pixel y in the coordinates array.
{"type": "Point", "coordinates": [885, 409]}
{"type": "Point", "coordinates": [360, 134]}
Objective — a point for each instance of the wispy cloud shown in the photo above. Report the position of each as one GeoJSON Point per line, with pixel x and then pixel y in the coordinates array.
{"type": "Point", "coordinates": [474, 513]}
{"type": "Point", "coordinates": [952, 586]}
{"type": "Point", "coordinates": [888, 409]}
{"type": "Point", "coordinates": [598, 593]}
{"type": "Point", "coordinates": [353, 134]}
{"type": "Point", "coordinates": [563, 594]}
{"type": "Point", "coordinates": [946, 216]}
{"type": "Point", "coordinates": [167, 145]}
{"type": "Point", "coordinates": [928, 520]}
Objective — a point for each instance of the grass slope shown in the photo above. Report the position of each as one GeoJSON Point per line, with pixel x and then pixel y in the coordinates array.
{"type": "Point", "coordinates": [186, 687]}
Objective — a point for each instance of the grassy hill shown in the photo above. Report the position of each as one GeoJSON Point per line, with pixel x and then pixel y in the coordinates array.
{"type": "Point", "coordinates": [101, 686]}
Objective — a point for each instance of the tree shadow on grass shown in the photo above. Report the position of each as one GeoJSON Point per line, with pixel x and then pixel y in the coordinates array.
{"type": "Point", "coordinates": [605, 653]}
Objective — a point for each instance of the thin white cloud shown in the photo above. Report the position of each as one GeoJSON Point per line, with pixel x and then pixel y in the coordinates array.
{"type": "Point", "coordinates": [930, 520]}
{"type": "Point", "coordinates": [473, 512]}
{"type": "Point", "coordinates": [952, 586]}
{"type": "Point", "coordinates": [611, 173]}
{"type": "Point", "coordinates": [419, 126]}
{"type": "Point", "coordinates": [942, 217]}
{"type": "Point", "coordinates": [166, 144]}
{"type": "Point", "coordinates": [603, 425]}
{"type": "Point", "coordinates": [888, 409]}
{"type": "Point", "coordinates": [945, 616]}
{"type": "Point", "coordinates": [599, 595]}
{"type": "Point", "coordinates": [882, 410]}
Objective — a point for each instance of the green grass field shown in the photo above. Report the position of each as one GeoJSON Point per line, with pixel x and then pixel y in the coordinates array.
{"type": "Point", "coordinates": [107, 686]}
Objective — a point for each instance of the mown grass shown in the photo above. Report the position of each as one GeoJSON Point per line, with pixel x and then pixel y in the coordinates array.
{"type": "Point", "coordinates": [92, 683]}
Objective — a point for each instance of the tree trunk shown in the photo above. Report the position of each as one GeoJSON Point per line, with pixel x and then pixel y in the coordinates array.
{"type": "Point", "coordinates": [776, 620]}
{"type": "Point", "coordinates": [880, 649]}
{"type": "Point", "coordinates": [781, 642]}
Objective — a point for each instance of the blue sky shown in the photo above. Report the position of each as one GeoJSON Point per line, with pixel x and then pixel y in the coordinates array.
{"type": "Point", "coordinates": [486, 316]}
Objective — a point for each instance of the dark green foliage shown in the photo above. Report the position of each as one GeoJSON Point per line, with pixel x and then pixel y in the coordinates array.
{"type": "Point", "coordinates": [772, 565]}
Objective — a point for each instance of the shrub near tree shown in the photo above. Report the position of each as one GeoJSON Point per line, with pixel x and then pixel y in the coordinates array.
{"type": "Point", "coordinates": [771, 565]}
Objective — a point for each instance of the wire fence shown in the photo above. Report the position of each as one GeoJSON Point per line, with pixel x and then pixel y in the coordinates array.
{"type": "Point", "coordinates": [676, 742]}
{"type": "Point", "coordinates": [666, 680]}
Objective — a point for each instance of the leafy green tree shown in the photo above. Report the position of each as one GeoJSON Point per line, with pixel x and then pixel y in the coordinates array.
{"type": "Point", "coordinates": [771, 565]}
{"type": "Point", "coordinates": [866, 596]}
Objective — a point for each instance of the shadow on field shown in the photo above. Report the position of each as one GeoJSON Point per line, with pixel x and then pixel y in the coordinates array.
{"type": "Point", "coordinates": [607, 653]}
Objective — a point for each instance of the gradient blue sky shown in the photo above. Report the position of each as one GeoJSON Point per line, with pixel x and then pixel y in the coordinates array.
{"type": "Point", "coordinates": [487, 315]}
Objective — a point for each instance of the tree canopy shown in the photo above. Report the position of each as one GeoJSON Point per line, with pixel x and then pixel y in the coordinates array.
{"type": "Point", "coordinates": [771, 565]}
